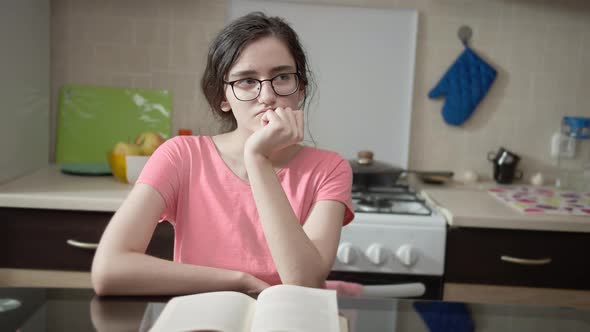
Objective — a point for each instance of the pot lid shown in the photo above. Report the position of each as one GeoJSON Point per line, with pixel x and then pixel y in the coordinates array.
{"type": "Point", "coordinates": [365, 163]}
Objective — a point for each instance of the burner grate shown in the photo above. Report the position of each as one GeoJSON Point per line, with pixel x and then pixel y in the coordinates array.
{"type": "Point", "coordinates": [406, 203]}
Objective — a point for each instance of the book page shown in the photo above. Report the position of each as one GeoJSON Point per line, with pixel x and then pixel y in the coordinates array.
{"type": "Point", "coordinates": [214, 311]}
{"type": "Point", "coordinates": [291, 308]}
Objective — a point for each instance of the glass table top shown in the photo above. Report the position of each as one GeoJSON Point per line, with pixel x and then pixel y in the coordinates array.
{"type": "Point", "coordinates": [38, 309]}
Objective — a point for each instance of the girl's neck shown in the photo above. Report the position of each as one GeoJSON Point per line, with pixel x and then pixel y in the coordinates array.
{"type": "Point", "coordinates": [233, 143]}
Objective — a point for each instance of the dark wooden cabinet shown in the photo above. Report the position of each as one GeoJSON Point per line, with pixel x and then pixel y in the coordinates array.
{"type": "Point", "coordinates": [517, 258]}
{"type": "Point", "coordinates": [38, 238]}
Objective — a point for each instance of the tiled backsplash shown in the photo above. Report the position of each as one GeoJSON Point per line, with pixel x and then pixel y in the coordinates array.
{"type": "Point", "coordinates": [539, 47]}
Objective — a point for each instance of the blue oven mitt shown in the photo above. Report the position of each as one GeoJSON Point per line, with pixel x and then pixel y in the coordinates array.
{"type": "Point", "coordinates": [445, 316]}
{"type": "Point", "coordinates": [464, 84]}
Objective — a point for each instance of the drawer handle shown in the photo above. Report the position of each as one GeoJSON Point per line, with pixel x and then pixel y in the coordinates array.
{"type": "Point", "coordinates": [525, 261]}
{"type": "Point", "coordinates": [82, 245]}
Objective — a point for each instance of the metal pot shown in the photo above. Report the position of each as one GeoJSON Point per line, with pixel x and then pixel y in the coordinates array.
{"type": "Point", "coordinates": [368, 172]}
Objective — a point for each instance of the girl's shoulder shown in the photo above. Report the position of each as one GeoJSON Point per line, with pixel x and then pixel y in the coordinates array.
{"type": "Point", "coordinates": [189, 139]}
{"type": "Point", "coordinates": [318, 153]}
{"type": "Point", "coordinates": [313, 157]}
{"type": "Point", "coordinates": [185, 143]}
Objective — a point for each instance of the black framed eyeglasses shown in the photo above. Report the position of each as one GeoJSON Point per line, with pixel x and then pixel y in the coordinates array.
{"type": "Point", "coordinates": [247, 89]}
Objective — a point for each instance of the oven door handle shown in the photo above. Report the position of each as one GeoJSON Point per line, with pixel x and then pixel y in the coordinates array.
{"type": "Point", "coordinates": [414, 289]}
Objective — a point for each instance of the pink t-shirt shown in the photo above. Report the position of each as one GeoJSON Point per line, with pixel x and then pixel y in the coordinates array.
{"type": "Point", "coordinates": [215, 218]}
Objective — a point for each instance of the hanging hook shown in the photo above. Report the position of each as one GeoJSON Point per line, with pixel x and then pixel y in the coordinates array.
{"type": "Point", "coordinates": [465, 34]}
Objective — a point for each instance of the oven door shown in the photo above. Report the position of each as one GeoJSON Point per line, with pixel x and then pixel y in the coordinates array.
{"type": "Point", "coordinates": [388, 285]}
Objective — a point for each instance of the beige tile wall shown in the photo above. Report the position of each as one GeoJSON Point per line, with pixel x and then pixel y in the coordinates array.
{"type": "Point", "coordinates": [539, 47]}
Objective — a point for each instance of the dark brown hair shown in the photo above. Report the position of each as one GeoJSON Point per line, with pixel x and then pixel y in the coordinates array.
{"type": "Point", "coordinates": [227, 47]}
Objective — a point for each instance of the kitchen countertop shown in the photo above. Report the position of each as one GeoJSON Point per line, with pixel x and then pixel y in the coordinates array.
{"type": "Point", "coordinates": [48, 188]}
{"type": "Point", "coordinates": [472, 206]}
{"type": "Point", "coordinates": [462, 205]}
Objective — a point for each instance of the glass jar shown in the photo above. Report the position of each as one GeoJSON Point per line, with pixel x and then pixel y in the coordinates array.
{"type": "Point", "coordinates": [573, 158]}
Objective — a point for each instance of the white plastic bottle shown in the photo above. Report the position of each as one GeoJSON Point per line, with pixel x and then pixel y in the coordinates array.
{"type": "Point", "coordinates": [573, 157]}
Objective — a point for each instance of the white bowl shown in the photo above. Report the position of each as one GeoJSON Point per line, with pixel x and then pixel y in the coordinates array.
{"type": "Point", "coordinates": [133, 167]}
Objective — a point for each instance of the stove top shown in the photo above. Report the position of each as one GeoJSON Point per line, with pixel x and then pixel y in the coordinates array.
{"type": "Point", "coordinates": [398, 199]}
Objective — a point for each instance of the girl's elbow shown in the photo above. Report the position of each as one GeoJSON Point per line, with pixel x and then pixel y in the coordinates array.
{"type": "Point", "coordinates": [306, 280]}
{"type": "Point", "coordinates": [305, 283]}
{"type": "Point", "coordinates": [99, 282]}
{"type": "Point", "coordinates": [101, 279]}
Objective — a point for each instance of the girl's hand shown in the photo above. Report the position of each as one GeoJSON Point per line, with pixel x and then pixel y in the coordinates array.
{"type": "Point", "coordinates": [252, 285]}
{"type": "Point", "coordinates": [280, 128]}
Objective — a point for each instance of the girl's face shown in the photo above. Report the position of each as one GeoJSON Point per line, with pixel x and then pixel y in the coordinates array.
{"type": "Point", "coordinates": [263, 59]}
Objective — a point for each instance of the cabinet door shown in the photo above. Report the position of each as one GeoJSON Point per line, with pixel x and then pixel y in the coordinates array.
{"type": "Point", "coordinates": [514, 295]}
{"type": "Point", "coordinates": [58, 240]}
{"type": "Point", "coordinates": [518, 258]}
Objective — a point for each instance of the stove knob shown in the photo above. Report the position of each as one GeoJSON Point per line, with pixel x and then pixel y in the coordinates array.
{"type": "Point", "coordinates": [377, 254]}
{"type": "Point", "coordinates": [407, 255]}
{"type": "Point", "coordinates": [347, 253]}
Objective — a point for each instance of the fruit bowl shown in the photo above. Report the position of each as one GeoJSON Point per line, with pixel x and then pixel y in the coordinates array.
{"type": "Point", "coordinates": [126, 168]}
{"type": "Point", "coordinates": [134, 165]}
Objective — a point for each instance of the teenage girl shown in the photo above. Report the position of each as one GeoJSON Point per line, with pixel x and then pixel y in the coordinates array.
{"type": "Point", "coordinates": [251, 207]}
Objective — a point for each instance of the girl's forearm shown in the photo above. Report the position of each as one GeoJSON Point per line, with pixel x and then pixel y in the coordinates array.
{"type": "Point", "coordinates": [295, 256]}
{"type": "Point", "coordinates": [140, 274]}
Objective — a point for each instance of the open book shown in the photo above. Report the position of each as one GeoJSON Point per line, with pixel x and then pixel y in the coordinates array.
{"type": "Point", "coordinates": [278, 308]}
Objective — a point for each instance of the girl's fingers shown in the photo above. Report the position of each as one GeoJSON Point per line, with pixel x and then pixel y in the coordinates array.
{"type": "Point", "coordinates": [271, 116]}
{"type": "Point", "coordinates": [298, 114]}
{"type": "Point", "coordinates": [280, 112]}
{"type": "Point", "coordinates": [264, 119]}
{"type": "Point", "coordinates": [291, 116]}
{"type": "Point", "coordinates": [290, 120]}
{"type": "Point", "coordinates": [287, 115]}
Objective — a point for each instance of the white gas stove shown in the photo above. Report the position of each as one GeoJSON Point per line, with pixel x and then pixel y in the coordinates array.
{"type": "Point", "coordinates": [395, 238]}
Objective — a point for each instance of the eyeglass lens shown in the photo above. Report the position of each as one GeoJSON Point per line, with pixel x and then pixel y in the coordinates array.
{"type": "Point", "coordinates": [249, 88]}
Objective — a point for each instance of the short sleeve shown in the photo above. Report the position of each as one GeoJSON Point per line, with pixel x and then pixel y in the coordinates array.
{"type": "Point", "coordinates": [163, 172]}
{"type": "Point", "coordinates": [337, 186]}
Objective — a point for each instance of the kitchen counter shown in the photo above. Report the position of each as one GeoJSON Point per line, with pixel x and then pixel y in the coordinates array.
{"type": "Point", "coordinates": [48, 188]}
{"type": "Point", "coordinates": [473, 206]}
{"type": "Point", "coordinates": [53, 221]}
{"type": "Point", "coordinates": [462, 205]}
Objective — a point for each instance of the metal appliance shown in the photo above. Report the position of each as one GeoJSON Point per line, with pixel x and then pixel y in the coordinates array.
{"type": "Point", "coordinates": [395, 246]}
